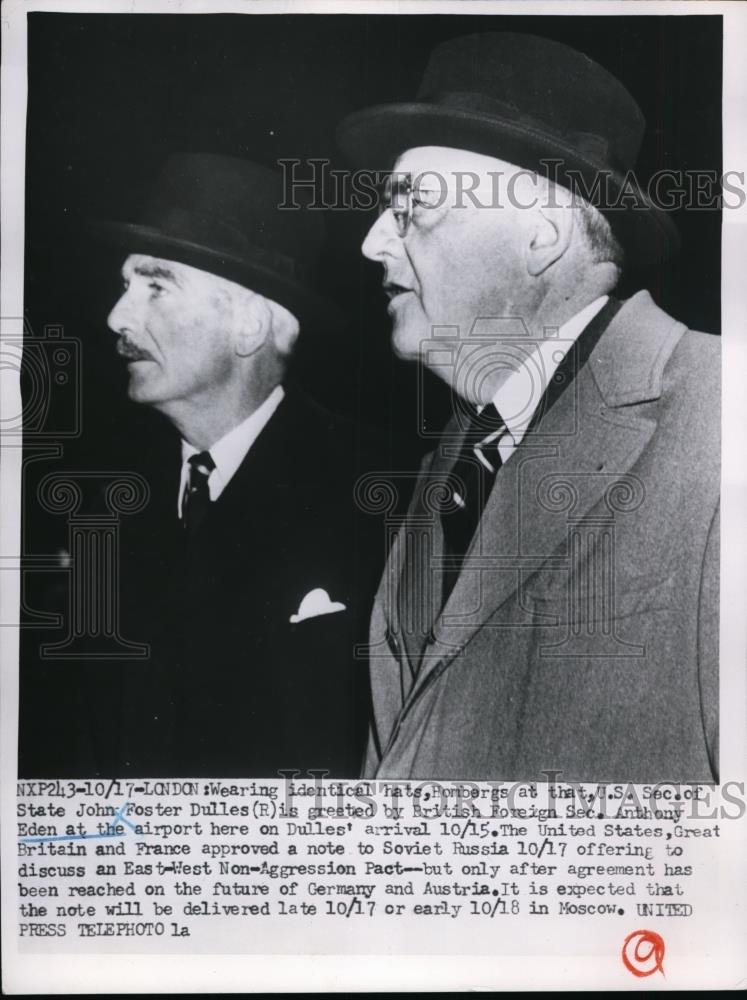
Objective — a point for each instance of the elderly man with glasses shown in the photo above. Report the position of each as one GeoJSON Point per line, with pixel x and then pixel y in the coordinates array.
{"type": "Point", "coordinates": [550, 607]}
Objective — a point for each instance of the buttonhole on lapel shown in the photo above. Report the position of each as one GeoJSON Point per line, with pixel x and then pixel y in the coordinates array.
{"type": "Point", "coordinates": [392, 641]}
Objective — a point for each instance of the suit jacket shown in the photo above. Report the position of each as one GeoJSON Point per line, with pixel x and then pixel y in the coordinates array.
{"type": "Point", "coordinates": [581, 635]}
{"type": "Point", "coordinates": [232, 687]}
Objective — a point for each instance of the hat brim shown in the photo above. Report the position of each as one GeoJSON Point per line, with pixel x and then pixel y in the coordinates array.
{"type": "Point", "coordinates": [375, 137]}
{"type": "Point", "coordinates": [310, 308]}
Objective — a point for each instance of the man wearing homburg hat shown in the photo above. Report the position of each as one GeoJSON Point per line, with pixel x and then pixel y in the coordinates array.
{"type": "Point", "coordinates": [551, 606]}
{"type": "Point", "coordinates": [246, 573]}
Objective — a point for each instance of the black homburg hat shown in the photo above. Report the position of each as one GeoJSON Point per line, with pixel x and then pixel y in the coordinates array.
{"type": "Point", "coordinates": [221, 214]}
{"type": "Point", "coordinates": [537, 104]}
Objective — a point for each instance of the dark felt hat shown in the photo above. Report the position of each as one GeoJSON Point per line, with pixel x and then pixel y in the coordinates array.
{"type": "Point", "coordinates": [526, 100]}
{"type": "Point", "coordinates": [220, 214]}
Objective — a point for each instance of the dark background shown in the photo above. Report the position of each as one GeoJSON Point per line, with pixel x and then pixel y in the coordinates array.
{"type": "Point", "coordinates": [110, 96]}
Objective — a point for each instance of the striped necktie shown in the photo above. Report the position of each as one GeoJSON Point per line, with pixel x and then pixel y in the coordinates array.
{"type": "Point", "coordinates": [472, 477]}
{"type": "Point", "coordinates": [480, 459]}
{"type": "Point", "coordinates": [196, 499]}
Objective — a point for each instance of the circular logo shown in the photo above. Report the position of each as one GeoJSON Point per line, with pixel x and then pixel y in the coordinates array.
{"type": "Point", "coordinates": [643, 953]}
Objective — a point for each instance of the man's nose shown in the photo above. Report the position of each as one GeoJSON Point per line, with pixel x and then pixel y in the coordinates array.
{"type": "Point", "coordinates": [382, 238]}
{"type": "Point", "coordinates": [120, 319]}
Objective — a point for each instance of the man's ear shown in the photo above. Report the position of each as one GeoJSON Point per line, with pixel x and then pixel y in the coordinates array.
{"type": "Point", "coordinates": [550, 237]}
{"type": "Point", "coordinates": [253, 324]}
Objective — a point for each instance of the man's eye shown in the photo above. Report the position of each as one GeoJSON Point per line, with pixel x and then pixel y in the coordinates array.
{"type": "Point", "coordinates": [429, 197]}
{"type": "Point", "coordinates": [156, 288]}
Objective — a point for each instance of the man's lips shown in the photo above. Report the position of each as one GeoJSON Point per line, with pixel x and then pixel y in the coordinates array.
{"type": "Point", "coordinates": [392, 289]}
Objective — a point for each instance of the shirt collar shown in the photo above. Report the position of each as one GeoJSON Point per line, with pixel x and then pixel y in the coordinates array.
{"type": "Point", "coordinates": [229, 452]}
{"type": "Point", "coordinates": [520, 395]}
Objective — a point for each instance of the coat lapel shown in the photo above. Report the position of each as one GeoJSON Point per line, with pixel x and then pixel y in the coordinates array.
{"type": "Point", "coordinates": [573, 458]}
{"type": "Point", "coordinates": [262, 483]}
{"type": "Point", "coordinates": [419, 591]}
{"type": "Point", "coordinates": [245, 525]}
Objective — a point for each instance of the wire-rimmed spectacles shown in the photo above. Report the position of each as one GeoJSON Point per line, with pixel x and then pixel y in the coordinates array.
{"type": "Point", "coordinates": [401, 193]}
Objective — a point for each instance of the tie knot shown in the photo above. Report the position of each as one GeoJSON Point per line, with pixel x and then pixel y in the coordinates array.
{"type": "Point", "coordinates": [202, 463]}
{"type": "Point", "coordinates": [484, 423]}
{"type": "Point", "coordinates": [196, 499]}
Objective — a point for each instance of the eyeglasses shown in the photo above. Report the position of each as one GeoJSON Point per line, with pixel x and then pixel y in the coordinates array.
{"type": "Point", "coordinates": [400, 194]}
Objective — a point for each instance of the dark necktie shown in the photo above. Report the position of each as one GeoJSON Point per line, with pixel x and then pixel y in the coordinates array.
{"type": "Point", "coordinates": [472, 477]}
{"type": "Point", "coordinates": [196, 498]}
{"type": "Point", "coordinates": [481, 443]}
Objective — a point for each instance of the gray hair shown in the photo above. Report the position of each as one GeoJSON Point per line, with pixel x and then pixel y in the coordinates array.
{"type": "Point", "coordinates": [281, 323]}
{"type": "Point", "coordinates": [285, 327]}
{"type": "Point", "coordinates": [601, 242]}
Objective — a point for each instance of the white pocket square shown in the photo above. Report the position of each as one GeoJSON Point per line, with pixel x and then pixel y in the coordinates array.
{"type": "Point", "coordinates": [316, 603]}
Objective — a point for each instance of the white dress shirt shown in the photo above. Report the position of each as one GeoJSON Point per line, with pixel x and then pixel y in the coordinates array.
{"type": "Point", "coordinates": [229, 452]}
{"type": "Point", "coordinates": [521, 393]}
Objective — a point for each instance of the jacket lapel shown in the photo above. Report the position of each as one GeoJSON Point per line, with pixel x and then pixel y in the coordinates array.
{"type": "Point", "coordinates": [234, 536]}
{"type": "Point", "coordinates": [261, 484]}
{"type": "Point", "coordinates": [417, 571]}
{"type": "Point", "coordinates": [575, 455]}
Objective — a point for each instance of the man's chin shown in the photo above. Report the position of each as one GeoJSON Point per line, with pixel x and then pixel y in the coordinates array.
{"type": "Point", "coordinates": [407, 342]}
{"type": "Point", "coordinates": [141, 390]}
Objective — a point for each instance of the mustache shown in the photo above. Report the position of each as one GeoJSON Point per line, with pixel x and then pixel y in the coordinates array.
{"type": "Point", "coordinates": [130, 352]}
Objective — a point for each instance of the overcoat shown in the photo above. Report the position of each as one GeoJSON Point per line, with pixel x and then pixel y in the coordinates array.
{"type": "Point", "coordinates": [243, 678]}
{"type": "Point", "coordinates": [580, 640]}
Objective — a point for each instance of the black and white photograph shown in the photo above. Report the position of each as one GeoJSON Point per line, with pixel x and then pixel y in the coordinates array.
{"type": "Point", "coordinates": [366, 424]}
{"type": "Point", "coordinates": [214, 630]}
